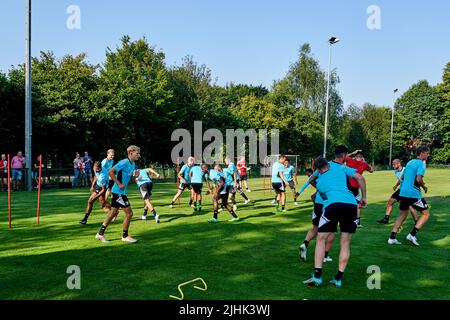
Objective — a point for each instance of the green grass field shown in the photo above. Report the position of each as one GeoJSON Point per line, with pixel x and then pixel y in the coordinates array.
{"type": "Point", "coordinates": [255, 258]}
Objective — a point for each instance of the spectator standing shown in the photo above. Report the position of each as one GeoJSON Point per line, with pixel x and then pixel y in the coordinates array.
{"type": "Point", "coordinates": [35, 171]}
{"type": "Point", "coordinates": [17, 166]}
{"type": "Point", "coordinates": [82, 174]}
{"type": "Point", "coordinates": [3, 171]}
{"type": "Point", "coordinates": [76, 170]}
{"type": "Point", "coordinates": [88, 167]}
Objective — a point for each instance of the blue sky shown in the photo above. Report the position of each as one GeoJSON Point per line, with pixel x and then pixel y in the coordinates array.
{"type": "Point", "coordinates": [251, 41]}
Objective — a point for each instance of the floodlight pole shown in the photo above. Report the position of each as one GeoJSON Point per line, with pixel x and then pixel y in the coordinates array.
{"type": "Point", "coordinates": [392, 130]}
{"type": "Point", "coordinates": [331, 41]}
{"type": "Point", "coordinates": [28, 107]}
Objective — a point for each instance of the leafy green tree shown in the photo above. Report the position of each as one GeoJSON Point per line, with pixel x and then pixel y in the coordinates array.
{"type": "Point", "coordinates": [12, 110]}
{"type": "Point", "coordinates": [418, 112]}
{"type": "Point", "coordinates": [376, 125]}
{"type": "Point", "coordinates": [442, 152]}
{"type": "Point", "coordinates": [132, 103]}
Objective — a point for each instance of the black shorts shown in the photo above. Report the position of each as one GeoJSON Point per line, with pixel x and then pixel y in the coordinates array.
{"type": "Point", "coordinates": [418, 204]}
{"type": "Point", "coordinates": [110, 184]}
{"type": "Point", "coordinates": [146, 190]}
{"type": "Point", "coordinates": [292, 184]}
{"type": "Point", "coordinates": [197, 187]}
{"type": "Point", "coordinates": [243, 178]}
{"type": "Point", "coordinates": [120, 201]}
{"type": "Point", "coordinates": [317, 213]}
{"type": "Point", "coordinates": [99, 189]}
{"type": "Point", "coordinates": [343, 213]}
{"type": "Point", "coordinates": [183, 186]}
{"type": "Point", "coordinates": [3, 174]}
{"type": "Point", "coordinates": [279, 187]}
{"type": "Point", "coordinates": [223, 192]}
{"type": "Point", "coordinates": [396, 195]}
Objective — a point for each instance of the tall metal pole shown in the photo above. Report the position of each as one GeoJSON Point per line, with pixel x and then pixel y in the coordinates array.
{"type": "Point", "coordinates": [326, 108]}
{"type": "Point", "coordinates": [28, 110]}
{"type": "Point", "coordinates": [392, 131]}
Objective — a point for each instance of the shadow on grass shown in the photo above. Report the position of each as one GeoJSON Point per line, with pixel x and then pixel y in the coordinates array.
{"type": "Point", "coordinates": [257, 259]}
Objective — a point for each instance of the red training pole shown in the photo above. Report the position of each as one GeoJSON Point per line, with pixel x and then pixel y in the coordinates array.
{"type": "Point", "coordinates": [38, 210]}
{"type": "Point", "coordinates": [9, 192]}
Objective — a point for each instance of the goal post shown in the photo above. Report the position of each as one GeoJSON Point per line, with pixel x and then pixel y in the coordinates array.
{"type": "Point", "coordinates": [269, 160]}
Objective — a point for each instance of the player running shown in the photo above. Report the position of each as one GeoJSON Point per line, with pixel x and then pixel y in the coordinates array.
{"type": "Point", "coordinates": [242, 170]}
{"type": "Point", "coordinates": [360, 165]}
{"type": "Point", "coordinates": [221, 193]}
{"type": "Point", "coordinates": [145, 184]}
{"type": "Point", "coordinates": [395, 197]}
{"type": "Point", "coordinates": [410, 195]}
{"type": "Point", "coordinates": [121, 174]}
{"type": "Point", "coordinates": [279, 182]}
{"type": "Point", "coordinates": [107, 164]}
{"type": "Point", "coordinates": [236, 187]}
{"type": "Point", "coordinates": [316, 214]}
{"type": "Point", "coordinates": [197, 175]}
{"type": "Point", "coordinates": [291, 177]}
{"type": "Point", "coordinates": [185, 181]}
{"type": "Point", "coordinates": [340, 206]}
{"type": "Point", "coordinates": [98, 190]}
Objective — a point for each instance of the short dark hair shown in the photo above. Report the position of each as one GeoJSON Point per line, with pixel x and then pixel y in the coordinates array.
{"type": "Point", "coordinates": [282, 156]}
{"type": "Point", "coordinates": [309, 170]}
{"type": "Point", "coordinates": [422, 149]}
{"type": "Point", "coordinates": [320, 162]}
{"type": "Point", "coordinates": [340, 150]}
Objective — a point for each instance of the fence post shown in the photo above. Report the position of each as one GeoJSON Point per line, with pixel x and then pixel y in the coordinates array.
{"type": "Point", "coordinates": [9, 192]}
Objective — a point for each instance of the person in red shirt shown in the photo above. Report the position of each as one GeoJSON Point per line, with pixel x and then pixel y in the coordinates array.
{"type": "Point", "coordinates": [242, 171]}
{"type": "Point", "coordinates": [360, 165]}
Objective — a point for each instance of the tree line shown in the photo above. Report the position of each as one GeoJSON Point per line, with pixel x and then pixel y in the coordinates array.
{"type": "Point", "coordinates": [135, 97]}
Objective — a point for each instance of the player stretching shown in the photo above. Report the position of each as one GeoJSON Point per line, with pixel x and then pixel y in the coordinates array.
{"type": "Point", "coordinates": [236, 187]}
{"type": "Point", "coordinates": [279, 182]}
{"type": "Point", "coordinates": [242, 169]}
{"type": "Point", "coordinates": [197, 176]}
{"type": "Point", "coordinates": [98, 190]}
{"type": "Point", "coordinates": [223, 181]}
{"type": "Point", "coordinates": [107, 164]}
{"type": "Point", "coordinates": [291, 177]}
{"type": "Point", "coordinates": [185, 181]}
{"type": "Point", "coordinates": [340, 206]}
{"type": "Point", "coordinates": [316, 214]}
{"type": "Point", "coordinates": [398, 171]}
{"type": "Point", "coordinates": [410, 195]}
{"type": "Point", "coordinates": [360, 165]}
{"type": "Point", "coordinates": [121, 174]}
{"type": "Point", "coordinates": [145, 185]}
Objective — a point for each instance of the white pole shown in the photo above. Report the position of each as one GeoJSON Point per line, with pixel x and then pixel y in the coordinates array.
{"type": "Point", "coordinates": [392, 131]}
{"type": "Point", "coordinates": [326, 108]}
{"type": "Point", "coordinates": [28, 110]}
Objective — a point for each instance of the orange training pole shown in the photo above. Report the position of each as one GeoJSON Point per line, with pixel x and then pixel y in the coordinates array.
{"type": "Point", "coordinates": [38, 210]}
{"type": "Point", "coordinates": [9, 192]}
